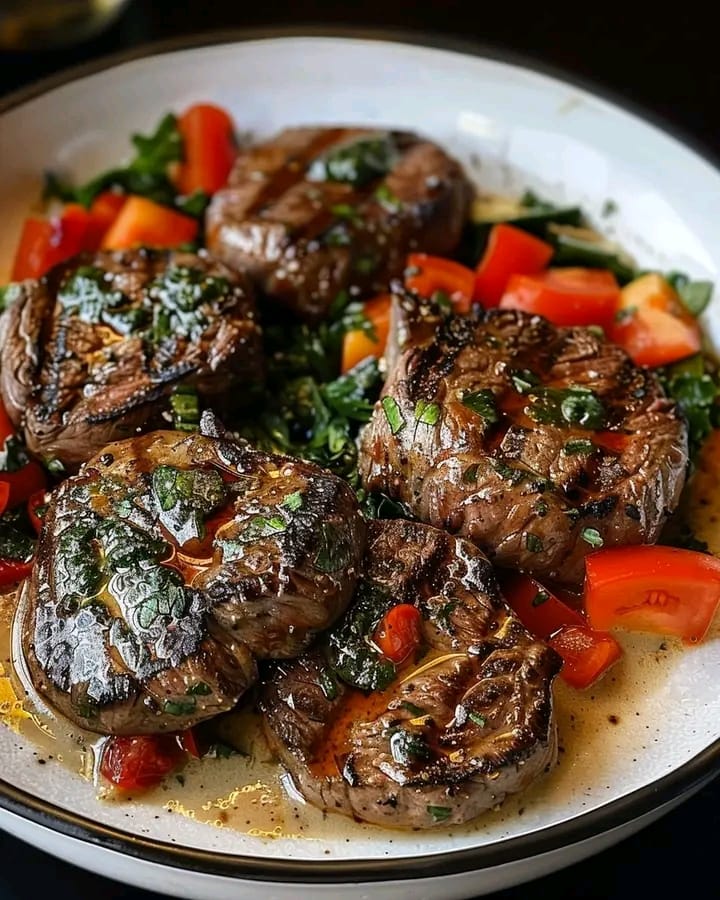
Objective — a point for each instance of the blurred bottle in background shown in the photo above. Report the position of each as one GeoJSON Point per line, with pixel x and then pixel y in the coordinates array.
{"type": "Point", "coordinates": [45, 24]}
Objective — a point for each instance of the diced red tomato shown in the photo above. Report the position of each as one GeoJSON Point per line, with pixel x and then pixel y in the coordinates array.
{"type": "Point", "coordinates": [587, 654]}
{"type": "Point", "coordinates": [510, 251]}
{"type": "Point", "coordinates": [46, 242]}
{"type": "Point", "coordinates": [36, 507]}
{"type": "Point", "coordinates": [189, 743]}
{"type": "Point", "coordinates": [209, 149]}
{"type": "Point", "coordinates": [138, 763]}
{"type": "Point", "coordinates": [569, 296]}
{"type": "Point", "coordinates": [427, 274]}
{"type": "Point", "coordinates": [143, 222]}
{"type": "Point", "coordinates": [652, 324]}
{"type": "Point", "coordinates": [104, 210]}
{"type": "Point", "coordinates": [22, 482]}
{"type": "Point", "coordinates": [664, 590]}
{"type": "Point", "coordinates": [357, 345]}
{"type": "Point", "coordinates": [399, 632]}
{"type": "Point", "coordinates": [13, 570]}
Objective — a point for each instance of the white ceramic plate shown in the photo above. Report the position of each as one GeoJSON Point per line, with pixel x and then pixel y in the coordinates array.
{"type": "Point", "coordinates": [514, 128]}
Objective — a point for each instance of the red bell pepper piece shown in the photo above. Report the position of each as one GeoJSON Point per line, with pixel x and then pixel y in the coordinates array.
{"type": "Point", "coordinates": [22, 482]}
{"type": "Point", "coordinates": [566, 296]}
{"type": "Point", "coordinates": [357, 344]}
{"type": "Point", "coordinates": [143, 222]}
{"type": "Point", "coordinates": [510, 251]}
{"type": "Point", "coordinates": [209, 149]}
{"type": "Point", "coordinates": [427, 274]}
{"type": "Point", "coordinates": [138, 763]}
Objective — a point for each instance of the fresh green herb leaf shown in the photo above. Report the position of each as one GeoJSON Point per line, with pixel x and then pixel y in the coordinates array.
{"type": "Point", "coordinates": [185, 406]}
{"type": "Point", "coordinates": [470, 474]}
{"type": "Point", "coordinates": [388, 199]}
{"type": "Point", "coordinates": [380, 506]}
{"type": "Point", "coordinates": [178, 295]}
{"type": "Point", "coordinates": [407, 747]}
{"type": "Point", "coordinates": [412, 708]}
{"type": "Point", "coordinates": [439, 813]}
{"type": "Point", "coordinates": [482, 403]}
{"type": "Point", "coordinates": [184, 497]}
{"type": "Point", "coordinates": [14, 544]}
{"type": "Point", "coordinates": [567, 406]}
{"type": "Point", "coordinates": [328, 684]}
{"type": "Point", "coordinates": [293, 501]}
{"type": "Point", "coordinates": [541, 508]}
{"type": "Point", "coordinates": [592, 536]}
{"type": "Point", "coordinates": [357, 162]}
{"type": "Point", "coordinates": [179, 707]}
{"type": "Point", "coordinates": [393, 415]}
{"type": "Point", "coordinates": [366, 263]}
{"type": "Point", "coordinates": [696, 389]}
{"type": "Point", "coordinates": [578, 447]}
{"type": "Point", "coordinates": [524, 380]}
{"type": "Point", "coordinates": [540, 598]}
{"type": "Point", "coordinates": [351, 655]}
{"type": "Point", "coordinates": [345, 211]}
{"type": "Point", "coordinates": [479, 720]}
{"type": "Point", "coordinates": [427, 413]}
{"type": "Point", "coordinates": [533, 542]}
{"type": "Point", "coordinates": [695, 295]}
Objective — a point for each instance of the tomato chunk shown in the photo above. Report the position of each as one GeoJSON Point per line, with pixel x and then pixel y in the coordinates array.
{"type": "Point", "coordinates": [209, 149]}
{"type": "Point", "coordinates": [664, 590]}
{"type": "Point", "coordinates": [21, 481]}
{"type": "Point", "coordinates": [652, 324]}
{"type": "Point", "coordinates": [138, 763]}
{"type": "Point", "coordinates": [143, 222]}
{"type": "Point", "coordinates": [14, 570]}
{"type": "Point", "coordinates": [587, 654]}
{"type": "Point", "coordinates": [569, 296]}
{"type": "Point", "coordinates": [510, 251]}
{"type": "Point", "coordinates": [358, 344]}
{"type": "Point", "coordinates": [399, 633]}
{"type": "Point", "coordinates": [428, 274]}
{"type": "Point", "coordinates": [540, 611]}
{"type": "Point", "coordinates": [46, 242]}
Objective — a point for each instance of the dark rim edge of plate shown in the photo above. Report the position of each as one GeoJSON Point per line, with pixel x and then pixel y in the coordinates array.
{"type": "Point", "coordinates": [662, 793]}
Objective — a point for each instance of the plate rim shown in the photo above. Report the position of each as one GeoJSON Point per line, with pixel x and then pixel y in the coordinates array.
{"type": "Point", "coordinates": [676, 785]}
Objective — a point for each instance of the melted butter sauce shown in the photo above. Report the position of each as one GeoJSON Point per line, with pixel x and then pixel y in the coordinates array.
{"type": "Point", "coordinates": [601, 731]}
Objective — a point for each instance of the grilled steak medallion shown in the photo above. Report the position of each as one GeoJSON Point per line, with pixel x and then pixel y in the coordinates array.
{"type": "Point", "coordinates": [538, 443]}
{"type": "Point", "coordinates": [171, 562]}
{"type": "Point", "coordinates": [314, 211]}
{"type": "Point", "coordinates": [447, 735]}
{"type": "Point", "coordinates": [91, 352]}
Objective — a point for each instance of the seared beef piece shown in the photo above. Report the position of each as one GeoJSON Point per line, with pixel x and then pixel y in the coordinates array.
{"type": "Point", "coordinates": [314, 211]}
{"type": "Point", "coordinates": [171, 562]}
{"type": "Point", "coordinates": [91, 352]}
{"type": "Point", "coordinates": [456, 729]}
{"type": "Point", "coordinates": [538, 443]}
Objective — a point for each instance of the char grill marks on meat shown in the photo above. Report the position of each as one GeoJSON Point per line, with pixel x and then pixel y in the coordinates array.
{"type": "Point", "coordinates": [171, 563]}
{"type": "Point", "coordinates": [448, 735]}
{"type": "Point", "coordinates": [538, 443]}
{"type": "Point", "coordinates": [91, 352]}
{"type": "Point", "coordinates": [314, 211]}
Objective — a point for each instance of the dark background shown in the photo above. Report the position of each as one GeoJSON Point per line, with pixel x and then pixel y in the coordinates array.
{"type": "Point", "coordinates": [661, 61]}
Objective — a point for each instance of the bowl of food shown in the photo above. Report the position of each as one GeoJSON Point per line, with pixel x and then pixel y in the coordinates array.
{"type": "Point", "coordinates": [358, 474]}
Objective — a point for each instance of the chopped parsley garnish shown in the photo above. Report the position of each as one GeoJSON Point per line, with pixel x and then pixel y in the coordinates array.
{"type": "Point", "coordinates": [199, 689]}
{"type": "Point", "coordinates": [482, 403]}
{"type": "Point", "coordinates": [88, 294]}
{"type": "Point", "coordinates": [356, 162]}
{"type": "Point", "coordinates": [178, 295]}
{"type": "Point", "coordinates": [328, 684]}
{"type": "Point", "coordinates": [695, 386]}
{"type": "Point", "coordinates": [592, 536]}
{"type": "Point", "coordinates": [427, 413]}
{"type": "Point", "coordinates": [439, 813]}
{"type": "Point", "coordinates": [567, 406]}
{"type": "Point", "coordinates": [345, 211]}
{"type": "Point", "coordinates": [479, 720]}
{"type": "Point", "coordinates": [414, 710]}
{"type": "Point", "coordinates": [386, 198]}
{"type": "Point", "coordinates": [184, 497]}
{"type": "Point", "coordinates": [185, 406]}
{"type": "Point", "coordinates": [579, 447]}
{"type": "Point", "coordinates": [380, 506]}
{"type": "Point", "coordinates": [407, 747]}
{"type": "Point", "coordinates": [393, 415]}
{"type": "Point", "coordinates": [524, 380]}
{"type": "Point", "coordinates": [469, 476]}
{"type": "Point", "coordinates": [540, 598]}
{"type": "Point", "coordinates": [695, 295]}
{"type": "Point", "coordinates": [533, 542]}
{"type": "Point", "coordinates": [179, 707]}
{"type": "Point", "coordinates": [14, 544]}
{"type": "Point", "coordinates": [293, 501]}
